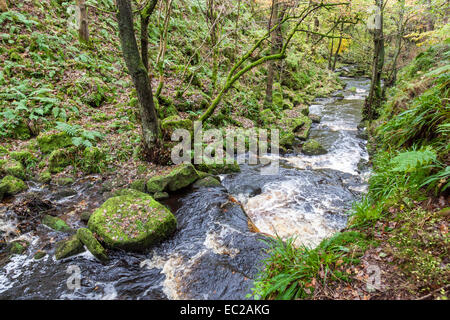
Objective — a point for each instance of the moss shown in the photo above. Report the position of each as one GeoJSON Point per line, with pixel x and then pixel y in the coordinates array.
{"type": "Point", "coordinates": [39, 255]}
{"type": "Point", "coordinates": [56, 223]}
{"type": "Point", "coordinates": [49, 142]}
{"type": "Point", "coordinates": [68, 247]}
{"type": "Point", "coordinates": [139, 185]}
{"type": "Point", "coordinates": [277, 95]}
{"type": "Point", "coordinates": [312, 147]}
{"type": "Point", "coordinates": [287, 140]}
{"type": "Point", "coordinates": [18, 247]}
{"type": "Point", "coordinates": [85, 216]}
{"type": "Point", "coordinates": [10, 185]}
{"type": "Point", "coordinates": [13, 168]}
{"type": "Point", "coordinates": [132, 222]}
{"type": "Point", "coordinates": [161, 195]}
{"type": "Point", "coordinates": [218, 168]}
{"type": "Point", "coordinates": [299, 126]}
{"type": "Point", "coordinates": [92, 160]}
{"type": "Point", "coordinates": [287, 104]}
{"type": "Point", "coordinates": [180, 177]}
{"type": "Point", "coordinates": [64, 181]}
{"type": "Point", "coordinates": [59, 160]}
{"type": "Point", "coordinates": [21, 131]}
{"type": "Point", "coordinates": [45, 176]}
{"type": "Point", "coordinates": [87, 238]}
{"type": "Point", "coordinates": [267, 117]}
{"type": "Point", "coordinates": [207, 182]}
{"type": "Point", "coordinates": [25, 157]}
{"type": "Point", "coordinates": [172, 123]}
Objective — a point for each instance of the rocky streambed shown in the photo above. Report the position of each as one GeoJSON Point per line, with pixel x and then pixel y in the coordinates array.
{"type": "Point", "coordinates": [213, 252]}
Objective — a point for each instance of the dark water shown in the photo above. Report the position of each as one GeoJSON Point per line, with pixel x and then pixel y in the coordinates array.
{"type": "Point", "coordinates": [213, 254]}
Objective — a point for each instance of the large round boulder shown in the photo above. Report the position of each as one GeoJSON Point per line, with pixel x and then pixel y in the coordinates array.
{"type": "Point", "coordinates": [132, 222]}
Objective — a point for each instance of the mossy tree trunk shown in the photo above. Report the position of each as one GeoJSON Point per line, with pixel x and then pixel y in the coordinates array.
{"type": "Point", "coordinates": [145, 20]}
{"type": "Point", "coordinates": [374, 98]}
{"type": "Point", "coordinates": [138, 72]}
{"type": "Point", "coordinates": [3, 6]}
{"type": "Point", "coordinates": [83, 30]}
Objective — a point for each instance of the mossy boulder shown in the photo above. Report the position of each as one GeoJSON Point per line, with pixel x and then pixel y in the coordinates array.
{"type": "Point", "coordinates": [287, 140]}
{"type": "Point", "coordinates": [139, 185]}
{"type": "Point", "coordinates": [132, 222]}
{"type": "Point", "coordinates": [64, 181]}
{"type": "Point", "coordinates": [313, 148]}
{"type": "Point", "coordinates": [299, 126]}
{"type": "Point", "coordinates": [21, 131]}
{"type": "Point", "coordinates": [180, 177]}
{"type": "Point", "coordinates": [87, 238]}
{"type": "Point", "coordinates": [13, 168]}
{"type": "Point", "coordinates": [207, 182]}
{"type": "Point", "coordinates": [92, 159]}
{"type": "Point", "coordinates": [172, 123]}
{"type": "Point", "coordinates": [59, 160]}
{"type": "Point", "coordinates": [18, 247]}
{"type": "Point", "coordinates": [287, 104]}
{"type": "Point", "coordinates": [210, 167]}
{"type": "Point", "coordinates": [267, 117]}
{"type": "Point", "coordinates": [25, 157]}
{"type": "Point", "coordinates": [49, 142]}
{"type": "Point", "coordinates": [55, 223]}
{"type": "Point", "coordinates": [160, 195]}
{"type": "Point", "coordinates": [69, 247]}
{"type": "Point", "coordinates": [45, 176]}
{"type": "Point", "coordinates": [10, 185]}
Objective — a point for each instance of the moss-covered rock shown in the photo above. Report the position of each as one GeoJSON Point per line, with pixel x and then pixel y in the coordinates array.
{"type": "Point", "coordinates": [172, 123]}
{"type": "Point", "coordinates": [161, 195]}
{"type": "Point", "coordinates": [92, 160]}
{"type": "Point", "coordinates": [56, 224]}
{"type": "Point", "coordinates": [287, 140]}
{"type": "Point", "coordinates": [13, 168]}
{"type": "Point", "coordinates": [64, 181]}
{"type": "Point", "coordinates": [45, 176]}
{"type": "Point", "coordinates": [39, 255]}
{"type": "Point", "coordinates": [132, 222]}
{"type": "Point", "coordinates": [84, 217]}
{"type": "Point", "coordinates": [21, 131]}
{"type": "Point", "coordinates": [18, 247]}
{"type": "Point", "coordinates": [218, 168]}
{"type": "Point", "coordinates": [25, 157]}
{"type": "Point", "coordinates": [313, 148]}
{"type": "Point", "coordinates": [59, 160]}
{"type": "Point", "coordinates": [180, 177]}
{"type": "Point", "coordinates": [87, 238]}
{"type": "Point", "coordinates": [277, 95]}
{"type": "Point", "coordinates": [68, 247]}
{"type": "Point", "coordinates": [207, 182]}
{"type": "Point", "coordinates": [10, 185]}
{"type": "Point", "coordinates": [49, 142]}
{"type": "Point", "coordinates": [267, 117]}
{"type": "Point", "coordinates": [299, 126]}
{"type": "Point", "coordinates": [139, 185]}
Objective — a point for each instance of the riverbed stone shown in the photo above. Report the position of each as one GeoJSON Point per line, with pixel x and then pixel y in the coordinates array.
{"type": "Point", "coordinates": [174, 122]}
{"type": "Point", "coordinates": [39, 255]}
{"type": "Point", "coordinates": [180, 177]}
{"type": "Point", "coordinates": [207, 182]}
{"type": "Point", "coordinates": [49, 142]}
{"type": "Point", "coordinates": [161, 195]}
{"type": "Point", "coordinates": [87, 238]}
{"type": "Point", "coordinates": [132, 222]}
{"type": "Point", "coordinates": [55, 223]}
{"type": "Point", "coordinates": [315, 118]}
{"type": "Point", "coordinates": [211, 167]}
{"type": "Point", "coordinates": [18, 247]}
{"type": "Point", "coordinates": [68, 247]}
{"type": "Point", "coordinates": [313, 148]}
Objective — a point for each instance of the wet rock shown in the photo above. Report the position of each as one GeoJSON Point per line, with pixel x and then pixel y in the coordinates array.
{"type": "Point", "coordinates": [68, 247]}
{"type": "Point", "coordinates": [64, 181]}
{"type": "Point", "coordinates": [362, 134]}
{"type": "Point", "coordinates": [132, 222]}
{"type": "Point", "coordinates": [49, 142]}
{"type": "Point", "coordinates": [180, 177]}
{"type": "Point", "coordinates": [56, 224]}
{"type": "Point", "coordinates": [87, 238]}
{"type": "Point", "coordinates": [315, 118]}
{"type": "Point", "coordinates": [313, 148]}
{"type": "Point", "coordinates": [207, 182]}
{"type": "Point", "coordinates": [10, 185]}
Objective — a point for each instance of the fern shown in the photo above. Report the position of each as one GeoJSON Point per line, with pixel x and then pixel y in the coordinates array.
{"type": "Point", "coordinates": [412, 160]}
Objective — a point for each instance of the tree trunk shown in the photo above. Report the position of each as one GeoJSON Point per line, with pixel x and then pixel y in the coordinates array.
{"type": "Point", "coordinates": [83, 30]}
{"type": "Point", "coordinates": [138, 72]}
{"type": "Point", "coordinates": [3, 6]}
{"type": "Point", "coordinates": [145, 20]}
{"type": "Point", "coordinates": [375, 94]}
{"type": "Point", "coordinates": [338, 47]}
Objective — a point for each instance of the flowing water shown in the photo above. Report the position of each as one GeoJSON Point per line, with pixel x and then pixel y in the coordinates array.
{"type": "Point", "coordinates": [213, 254]}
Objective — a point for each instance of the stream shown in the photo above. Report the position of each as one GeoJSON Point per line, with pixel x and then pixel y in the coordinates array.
{"type": "Point", "coordinates": [213, 254]}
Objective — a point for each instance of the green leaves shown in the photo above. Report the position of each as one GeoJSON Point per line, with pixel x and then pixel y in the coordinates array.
{"type": "Point", "coordinates": [80, 136]}
{"type": "Point", "coordinates": [410, 161]}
